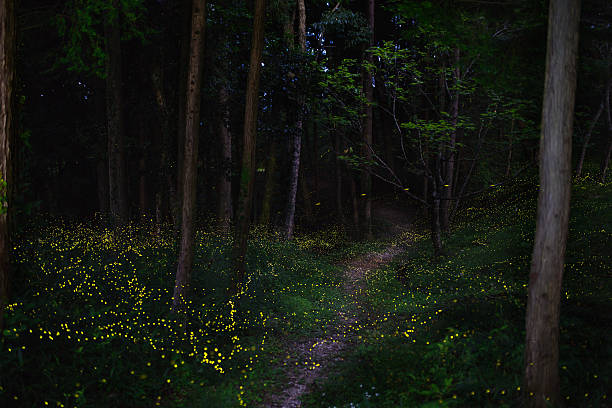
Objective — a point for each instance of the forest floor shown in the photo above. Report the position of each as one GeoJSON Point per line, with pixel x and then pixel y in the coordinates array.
{"type": "Point", "coordinates": [307, 359]}
{"type": "Point", "coordinates": [327, 321]}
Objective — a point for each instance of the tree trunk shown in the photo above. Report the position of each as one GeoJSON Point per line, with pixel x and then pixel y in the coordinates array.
{"type": "Point", "coordinates": [7, 77]}
{"type": "Point", "coordinates": [266, 207]}
{"type": "Point", "coordinates": [509, 157]}
{"type": "Point", "coordinates": [163, 198]}
{"type": "Point", "coordinates": [542, 320]}
{"type": "Point", "coordinates": [367, 130]}
{"type": "Point", "coordinates": [247, 178]}
{"type": "Point", "coordinates": [436, 230]}
{"type": "Point", "coordinates": [117, 177]}
{"type": "Point", "coordinates": [176, 191]}
{"type": "Point", "coordinates": [190, 157]}
{"type": "Point", "coordinates": [587, 139]}
{"type": "Point", "coordinates": [142, 170]}
{"type": "Point", "coordinates": [355, 200]}
{"type": "Point", "coordinates": [447, 188]}
{"type": "Point", "coordinates": [102, 176]}
{"type": "Point", "coordinates": [606, 161]}
{"type": "Point", "coordinates": [297, 136]}
{"type": "Point", "coordinates": [224, 211]}
{"type": "Point", "coordinates": [338, 168]}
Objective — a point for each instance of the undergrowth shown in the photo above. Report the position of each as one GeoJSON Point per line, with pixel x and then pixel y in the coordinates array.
{"type": "Point", "coordinates": [90, 323]}
{"type": "Point", "coordinates": [450, 331]}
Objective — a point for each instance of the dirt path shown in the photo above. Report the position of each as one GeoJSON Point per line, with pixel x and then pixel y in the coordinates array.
{"type": "Point", "coordinates": [308, 359]}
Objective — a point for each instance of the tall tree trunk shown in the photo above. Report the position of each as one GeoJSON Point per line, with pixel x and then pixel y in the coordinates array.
{"type": "Point", "coordinates": [117, 177]}
{"type": "Point", "coordinates": [367, 130]}
{"type": "Point", "coordinates": [436, 184]}
{"type": "Point", "coordinates": [190, 157]}
{"type": "Point", "coordinates": [266, 207]}
{"type": "Point", "coordinates": [297, 136]}
{"type": "Point", "coordinates": [102, 176]}
{"type": "Point", "coordinates": [338, 171]}
{"type": "Point", "coordinates": [447, 188]}
{"type": "Point", "coordinates": [355, 201]}
{"type": "Point", "coordinates": [142, 169]}
{"type": "Point", "coordinates": [176, 191]}
{"type": "Point", "coordinates": [7, 77]}
{"type": "Point", "coordinates": [587, 138]}
{"type": "Point", "coordinates": [247, 175]}
{"type": "Point", "coordinates": [224, 209]}
{"type": "Point", "coordinates": [542, 320]}
{"type": "Point", "coordinates": [163, 197]}
{"type": "Point", "coordinates": [606, 160]}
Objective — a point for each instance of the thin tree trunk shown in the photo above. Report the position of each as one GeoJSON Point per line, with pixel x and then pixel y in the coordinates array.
{"type": "Point", "coordinates": [224, 211]}
{"type": "Point", "coordinates": [436, 230]}
{"type": "Point", "coordinates": [266, 207]}
{"type": "Point", "coordinates": [338, 168]}
{"type": "Point", "coordinates": [355, 200]}
{"type": "Point", "coordinates": [102, 176]}
{"type": "Point", "coordinates": [509, 158]}
{"type": "Point", "coordinates": [306, 195]}
{"type": "Point", "coordinates": [247, 178]}
{"type": "Point", "coordinates": [542, 321]}
{"type": "Point", "coordinates": [142, 170]}
{"type": "Point", "coordinates": [114, 116]}
{"type": "Point", "coordinates": [450, 165]}
{"type": "Point", "coordinates": [7, 77]}
{"type": "Point", "coordinates": [366, 175]}
{"type": "Point", "coordinates": [190, 157]}
{"type": "Point", "coordinates": [587, 139]}
{"type": "Point", "coordinates": [297, 136]}
{"type": "Point", "coordinates": [176, 191]}
{"type": "Point", "coordinates": [163, 198]}
{"type": "Point", "coordinates": [606, 160]}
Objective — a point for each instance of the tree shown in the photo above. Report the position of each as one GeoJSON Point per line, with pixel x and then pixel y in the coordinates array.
{"type": "Point", "coordinates": [224, 208]}
{"type": "Point", "coordinates": [297, 135]}
{"type": "Point", "coordinates": [7, 76]}
{"type": "Point", "coordinates": [367, 128]}
{"type": "Point", "coordinates": [190, 156]}
{"type": "Point", "coordinates": [247, 173]}
{"type": "Point", "coordinates": [117, 176]}
{"type": "Point", "coordinates": [606, 160]}
{"type": "Point", "coordinates": [542, 322]}
{"type": "Point", "coordinates": [587, 138]}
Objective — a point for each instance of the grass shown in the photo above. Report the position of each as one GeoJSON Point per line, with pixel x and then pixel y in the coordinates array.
{"type": "Point", "coordinates": [90, 323]}
{"type": "Point", "coordinates": [450, 331]}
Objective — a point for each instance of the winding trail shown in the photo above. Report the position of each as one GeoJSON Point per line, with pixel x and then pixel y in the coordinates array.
{"type": "Point", "coordinates": [308, 359]}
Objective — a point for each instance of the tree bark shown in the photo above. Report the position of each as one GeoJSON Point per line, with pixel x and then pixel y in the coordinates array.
{"type": "Point", "coordinates": [102, 176]}
{"type": "Point", "coordinates": [176, 191]}
{"type": "Point", "coordinates": [338, 168]}
{"type": "Point", "coordinates": [355, 200]}
{"type": "Point", "coordinates": [266, 207]}
{"type": "Point", "coordinates": [436, 230]}
{"type": "Point", "coordinates": [7, 77]}
{"type": "Point", "coordinates": [447, 188]}
{"type": "Point", "coordinates": [190, 157]}
{"type": "Point", "coordinates": [247, 178]}
{"type": "Point", "coordinates": [163, 200]}
{"type": "Point", "coordinates": [366, 175]}
{"type": "Point", "coordinates": [542, 320]}
{"type": "Point", "coordinates": [117, 178]}
{"type": "Point", "coordinates": [587, 138]}
{"type": "Point", "coordinates": [224, 209]}
{"type": "Point", "coordinates": [297, 136]}
{"type": "Point", "coordinates": [606, 161]}
{"type": "Point", "coordinates": [142, 169]}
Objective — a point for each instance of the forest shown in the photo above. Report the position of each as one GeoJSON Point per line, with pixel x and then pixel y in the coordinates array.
{"type": "Point", "coordinates": [305, 203]}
